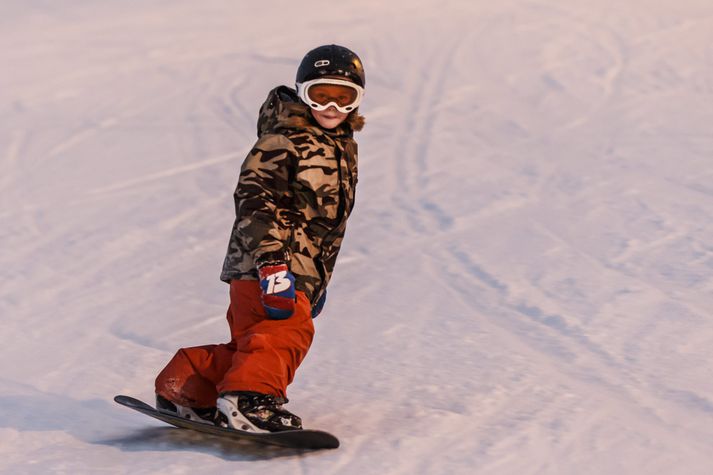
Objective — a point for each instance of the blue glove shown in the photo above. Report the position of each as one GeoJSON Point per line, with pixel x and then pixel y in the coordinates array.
{"type": "Point", "coordinates": [317, 309]}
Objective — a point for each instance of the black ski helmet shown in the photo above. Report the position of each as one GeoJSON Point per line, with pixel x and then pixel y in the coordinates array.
{"type": "Point", "coordinates": [331, 60]}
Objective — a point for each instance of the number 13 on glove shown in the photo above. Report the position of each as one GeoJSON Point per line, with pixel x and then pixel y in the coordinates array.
{"type": "Point", "coordinates": [278, 291]}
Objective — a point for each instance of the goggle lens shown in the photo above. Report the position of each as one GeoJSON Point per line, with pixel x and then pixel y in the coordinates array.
{"type": "Point", "coordinates": [323, 94]}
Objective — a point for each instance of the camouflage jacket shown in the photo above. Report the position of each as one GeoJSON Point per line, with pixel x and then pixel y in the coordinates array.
{"type": "Point", "coordinates": [294, 195]}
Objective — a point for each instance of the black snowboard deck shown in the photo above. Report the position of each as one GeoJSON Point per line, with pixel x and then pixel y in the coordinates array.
{"type": "Point", "coordinates": [296, 439]}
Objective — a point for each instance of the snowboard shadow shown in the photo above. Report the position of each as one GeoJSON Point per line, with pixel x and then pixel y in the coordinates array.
{"type": "Point", "coordinates": [171, 439]}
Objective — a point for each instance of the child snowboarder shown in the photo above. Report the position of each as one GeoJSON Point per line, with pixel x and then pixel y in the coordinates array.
{"type": "Point", "coordinates": [294, 195]}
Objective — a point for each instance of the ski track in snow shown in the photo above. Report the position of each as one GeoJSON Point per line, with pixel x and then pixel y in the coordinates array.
{"type": "Point", "coordinates": [525, 286]}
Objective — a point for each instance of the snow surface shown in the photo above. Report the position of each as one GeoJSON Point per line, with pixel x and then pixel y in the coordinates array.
{"type": "Point", "coordinates": [526, 285]}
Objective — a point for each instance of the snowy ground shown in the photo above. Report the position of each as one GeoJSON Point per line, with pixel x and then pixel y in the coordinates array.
{"type": "Point", "coordinates": [527, 282]}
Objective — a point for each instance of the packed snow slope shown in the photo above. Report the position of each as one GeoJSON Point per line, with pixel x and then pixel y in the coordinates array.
{"type": "Point", "coordinates": [527, 281]}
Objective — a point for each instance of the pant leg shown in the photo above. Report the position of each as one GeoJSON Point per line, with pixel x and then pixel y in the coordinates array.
{"type": "Point", "coordinates": [191, 377]}
{"type": "Point", "coordinates": [268, 352]}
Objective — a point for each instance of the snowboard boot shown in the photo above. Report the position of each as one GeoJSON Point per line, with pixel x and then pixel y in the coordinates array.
{"type": "Point", "coordinates": [203, 415]}
{"type": "Point", "coordinates": [255, 412]}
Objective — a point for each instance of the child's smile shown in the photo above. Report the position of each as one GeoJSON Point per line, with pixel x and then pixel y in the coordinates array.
{"type": "Point", "coordinates": [329, 118]}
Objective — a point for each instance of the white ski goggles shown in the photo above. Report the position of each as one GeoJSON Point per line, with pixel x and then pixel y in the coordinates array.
{"type": "Point", "coordinates": [322, 93]}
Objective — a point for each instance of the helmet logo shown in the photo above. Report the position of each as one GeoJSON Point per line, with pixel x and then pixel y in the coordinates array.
{"type": "Point", "coordinates": [321, 62]}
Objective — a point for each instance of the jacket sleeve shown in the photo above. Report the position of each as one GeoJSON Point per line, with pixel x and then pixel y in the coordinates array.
{"type": "Point", "coordinates": [263, 187]}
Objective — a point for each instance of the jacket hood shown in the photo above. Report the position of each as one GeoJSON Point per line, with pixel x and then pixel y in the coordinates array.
{"type": "Point", "coordinates": [283, 110]}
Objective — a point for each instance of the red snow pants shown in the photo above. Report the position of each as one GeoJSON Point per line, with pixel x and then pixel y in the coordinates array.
{"type": "Point", "coordinates": [262, 355]}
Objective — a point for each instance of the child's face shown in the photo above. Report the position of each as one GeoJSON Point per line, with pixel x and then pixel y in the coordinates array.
{"type": "Point", "coordinates": [329, 118]}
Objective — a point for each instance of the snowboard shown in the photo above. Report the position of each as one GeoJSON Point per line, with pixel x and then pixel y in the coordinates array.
{"type": "Point", "coordinates": [296, 439]}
